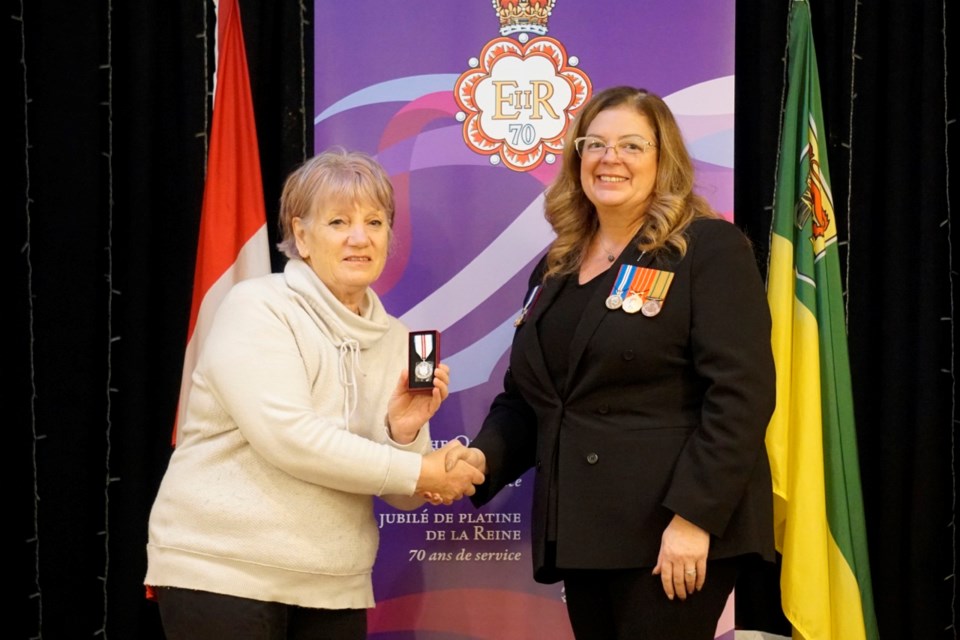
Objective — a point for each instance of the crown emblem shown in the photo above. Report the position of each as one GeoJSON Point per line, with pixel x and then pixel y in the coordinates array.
{"type": "Point", "coordinates": [523, 16]}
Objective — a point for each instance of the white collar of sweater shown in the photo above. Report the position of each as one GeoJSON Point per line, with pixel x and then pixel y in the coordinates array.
{"type": "Point", "coordinates": [337, 321]}
{"type": "Point", "coordinates": [348, 331]}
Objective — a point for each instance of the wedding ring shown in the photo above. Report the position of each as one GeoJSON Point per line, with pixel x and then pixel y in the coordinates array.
{"type": "Point", "coordinates": [690, 572]}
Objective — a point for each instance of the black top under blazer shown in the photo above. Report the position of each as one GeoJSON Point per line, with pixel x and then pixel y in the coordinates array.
{"type": "Point", "coordinates": [661, 415]}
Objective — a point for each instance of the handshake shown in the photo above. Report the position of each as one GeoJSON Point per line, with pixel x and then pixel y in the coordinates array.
{"type": "Point", "coordinates": [450, 473]}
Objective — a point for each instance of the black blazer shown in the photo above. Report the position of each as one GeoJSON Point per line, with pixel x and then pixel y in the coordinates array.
{"type": "Point", "coordinates": [661, 415]}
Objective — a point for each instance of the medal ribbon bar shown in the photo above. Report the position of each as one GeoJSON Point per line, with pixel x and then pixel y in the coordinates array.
{"type": "Point", "coordinates": [424, 345]}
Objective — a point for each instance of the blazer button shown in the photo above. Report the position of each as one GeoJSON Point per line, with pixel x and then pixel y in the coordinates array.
{"type": "Point", "coordinates": [603, 409]}
{"type": "Point", "coordinates": [628, 354]}
{"type": "Point", "coordinates": [539, 465]}
{"type": "Point", "coordinates": [592, 458]}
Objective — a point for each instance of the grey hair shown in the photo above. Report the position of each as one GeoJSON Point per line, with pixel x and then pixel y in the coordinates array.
{"type": "Point", "coordinates": [335, 175]}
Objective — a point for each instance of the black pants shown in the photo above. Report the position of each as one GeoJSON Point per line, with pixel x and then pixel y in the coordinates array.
{"type": "Point", "coordinates": [200, 615]}
{"type": "Point", "coordinates": [629, 604]}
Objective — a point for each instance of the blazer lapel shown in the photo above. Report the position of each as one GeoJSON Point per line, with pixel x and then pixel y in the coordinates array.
{"type": "Point", "coordinates": [597, 309]}
{"type": "Point", "coordinates": [531, 346]}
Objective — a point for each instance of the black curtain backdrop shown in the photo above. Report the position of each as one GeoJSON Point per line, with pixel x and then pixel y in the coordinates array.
{"type": "Point", "coordinates": [109, 105]}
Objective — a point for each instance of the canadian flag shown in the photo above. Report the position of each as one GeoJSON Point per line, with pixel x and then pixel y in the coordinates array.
{"type": "Point", "coordinates": [233, 243]}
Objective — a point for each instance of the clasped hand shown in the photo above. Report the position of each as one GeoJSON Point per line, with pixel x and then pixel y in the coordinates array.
{"type": "Point", "coordinates": [446, 475]}
{"type": "Point", "coordinates": [456, 457]}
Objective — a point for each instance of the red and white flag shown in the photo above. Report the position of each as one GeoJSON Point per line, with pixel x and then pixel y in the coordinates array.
{"type": "Point", "coordinates": [233, 243]}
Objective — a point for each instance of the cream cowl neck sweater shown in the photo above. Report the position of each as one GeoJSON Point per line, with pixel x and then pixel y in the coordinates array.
{"type": "Point", "coordinates": [268, 494]}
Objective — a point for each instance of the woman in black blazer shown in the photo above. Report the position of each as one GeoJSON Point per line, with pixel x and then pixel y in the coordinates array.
{"type": "Point", "coordinates": [640, 385]}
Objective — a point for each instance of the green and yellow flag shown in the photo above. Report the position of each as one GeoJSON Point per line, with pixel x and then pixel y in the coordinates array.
{"type": "Point", "coordinates": [811, 441]}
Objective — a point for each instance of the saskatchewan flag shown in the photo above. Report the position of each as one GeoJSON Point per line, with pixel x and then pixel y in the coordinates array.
{"type": "Point", "coordinates": [811, 441]}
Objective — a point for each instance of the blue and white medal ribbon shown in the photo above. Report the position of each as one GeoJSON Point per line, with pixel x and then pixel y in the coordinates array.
{"type": "Point", "coordinates": [527, 305]}
{"type": "Point", "coordinates": [615, 299]}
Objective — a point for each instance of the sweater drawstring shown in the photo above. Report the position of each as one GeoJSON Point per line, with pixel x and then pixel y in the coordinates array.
{"type": "Point", "coordinates": [349, 365]}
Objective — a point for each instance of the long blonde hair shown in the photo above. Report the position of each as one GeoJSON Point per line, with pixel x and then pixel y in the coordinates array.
{"type": "Point", "coordinates": [673, 204]}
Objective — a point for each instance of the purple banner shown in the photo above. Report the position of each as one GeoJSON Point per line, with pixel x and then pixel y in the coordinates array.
{"type": "Point", "coordinates": [465, 104]}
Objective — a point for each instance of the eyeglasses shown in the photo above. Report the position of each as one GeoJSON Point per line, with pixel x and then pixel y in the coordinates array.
{"type": "Point", "coordinates": [629, 147]}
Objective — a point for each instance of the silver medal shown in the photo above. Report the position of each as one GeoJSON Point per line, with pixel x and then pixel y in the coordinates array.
{"type": "Point", "coordinates": [423, 370]}
{"type": "Point", "coordinates": [652, 307]}
{"type": "Point", "coordinates": [633, 303]}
